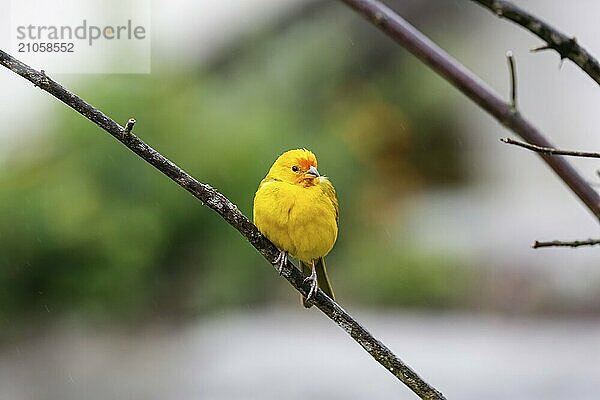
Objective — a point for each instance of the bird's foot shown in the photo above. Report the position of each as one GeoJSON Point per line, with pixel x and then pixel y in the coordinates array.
{"type": "Point", "coordinates": [313, 284]}
{"type": "Point", "coordinates": [281, 261]}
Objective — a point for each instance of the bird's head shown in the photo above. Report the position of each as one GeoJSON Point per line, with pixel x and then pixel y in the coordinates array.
{"type": "Point", "coordinates": [298, 167]}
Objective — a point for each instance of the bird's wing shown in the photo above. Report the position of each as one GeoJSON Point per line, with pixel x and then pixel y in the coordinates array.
{"type": "Point", "coordinates": [266, 181]}
{"type": "Point", "coordinates": [329, 191]}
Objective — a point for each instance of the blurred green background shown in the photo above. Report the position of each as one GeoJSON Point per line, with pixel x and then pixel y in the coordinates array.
{"type": "Point", "coordinates": [88, 228]}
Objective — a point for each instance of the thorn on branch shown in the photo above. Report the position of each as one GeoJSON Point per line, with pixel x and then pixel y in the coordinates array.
{"type": "Point", "coordinates": [563, 50]}
{"type": "Point", "coordinates": [129, 126]}
{"type": "Point", "coordinates": [550, 150]}
{"type": "Point", "coordinates": [541, 48]}
{"type": "Point", "coordinates": [573, 42]}
{"type": "Point", "coordinates": [559, 49]}
{"type": "Point", "coordinates": [513, 81]}
{"type": "Point", "coordinates": [558, 243]}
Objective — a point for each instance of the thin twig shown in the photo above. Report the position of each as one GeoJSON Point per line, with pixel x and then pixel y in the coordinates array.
{"type": "Point", "coordinates": [513, 80]}
{"type": "Point", "coordinates": [558, 243]}
{"type": "Point", "coordinates": [468, 83]}
{"type": "Point", "coordinates": [129, 125]}
{"type": "Point", "coordinates": [230, 213]}
{"type": "Point", "coordinates": [567, 47]}
{"type": "Point", "coordinates": [550, 150]}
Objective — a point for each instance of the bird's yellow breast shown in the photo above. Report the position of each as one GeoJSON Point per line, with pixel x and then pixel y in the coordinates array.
{"type": "Point", "coordinates": [300, 220]}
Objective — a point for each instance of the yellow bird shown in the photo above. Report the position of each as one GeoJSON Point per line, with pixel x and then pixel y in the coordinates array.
{"type": "Point", "coordinates": [297, 209]}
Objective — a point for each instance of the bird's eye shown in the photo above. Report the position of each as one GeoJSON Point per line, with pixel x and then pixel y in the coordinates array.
{"type": "Point", "coordinates": [295, 168]}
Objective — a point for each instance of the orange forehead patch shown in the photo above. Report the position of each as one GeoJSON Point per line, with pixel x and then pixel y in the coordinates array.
{"type": "Point", "coordinates": [306, 163]}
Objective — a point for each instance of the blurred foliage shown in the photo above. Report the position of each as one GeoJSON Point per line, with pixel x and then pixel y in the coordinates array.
{"type": "Point", "coordinates": [88, 228]}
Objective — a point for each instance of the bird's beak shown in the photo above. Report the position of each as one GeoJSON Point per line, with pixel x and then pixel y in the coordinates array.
{"type": "Point", "coordinates": [313, 172]}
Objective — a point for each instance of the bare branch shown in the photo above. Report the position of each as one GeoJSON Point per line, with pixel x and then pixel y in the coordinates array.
{"type": "Point", "coordinates": [513, 80]}
{"type": "Point", "coordinates": [230, 213]}
{"type": "Point", "coordinates": [566, 47]}
{"type": "Point", "coordinates": [468, 83]}
{"type": "Point", "coordinates": [558, 243]}
{"type": "Point", "coordinates": [550, 150]}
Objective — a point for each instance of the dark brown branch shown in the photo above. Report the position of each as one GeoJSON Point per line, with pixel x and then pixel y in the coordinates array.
{"type": "Point", "coordinates": [230, 213]}
{"type": "Point", "coordinates": [468, 83]}
{"type": "Point", "coordinates": [567, 47]}
{"type": "Point", "coordinates": [550, 150]}
{"type": "Point", "coordinates": [558, 243]}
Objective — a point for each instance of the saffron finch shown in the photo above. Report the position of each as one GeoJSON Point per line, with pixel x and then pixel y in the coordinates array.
{"type": "Point", "coordinates": [297, 209]}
